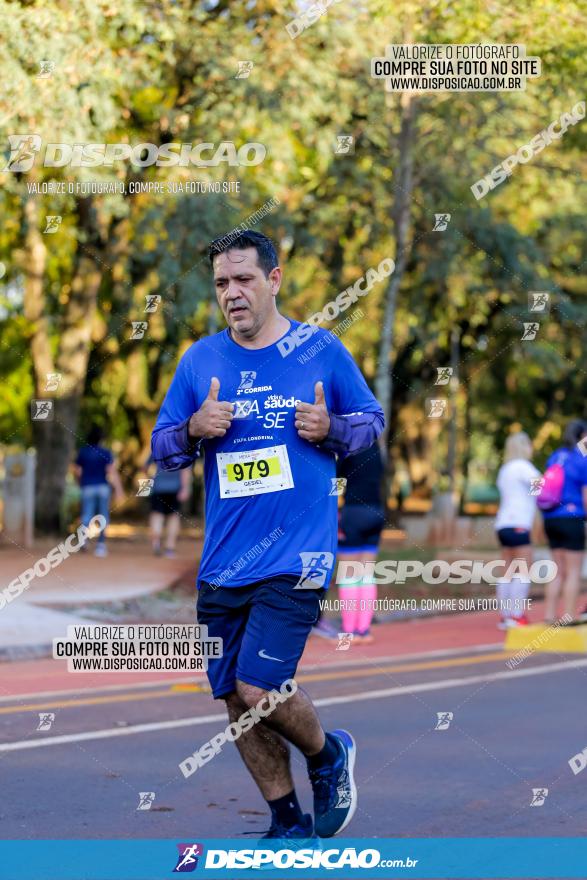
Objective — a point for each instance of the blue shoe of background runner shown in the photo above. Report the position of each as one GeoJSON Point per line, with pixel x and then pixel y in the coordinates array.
{"type": "Point", "coordinates": [335, 793]}
{"type": "Point", "coordinates": [304, 829]}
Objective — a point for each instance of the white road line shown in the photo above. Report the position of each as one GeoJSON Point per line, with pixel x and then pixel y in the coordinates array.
{"type": "Point", "coordinates": [109, 732]}
{"type": "Point", "coordinates": [406, 658]}
{"type": "Point", "coordinates": [195, 679]}
{"type": "Point", "coordinates": [448, 683]}
{"type": "Point", "coordinates": [326, 701]}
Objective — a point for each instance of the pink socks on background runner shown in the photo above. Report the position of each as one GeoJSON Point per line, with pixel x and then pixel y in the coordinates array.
{"type": "Point", "coordinates": [347, 593]}
{"type": "Point", "coordinates": [368, 595]}
{"type": "Point", "coordinates": [357, 619]}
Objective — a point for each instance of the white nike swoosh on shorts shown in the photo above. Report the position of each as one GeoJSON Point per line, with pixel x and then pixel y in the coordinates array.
{"type": "Point", "coordinates": [267, 657]}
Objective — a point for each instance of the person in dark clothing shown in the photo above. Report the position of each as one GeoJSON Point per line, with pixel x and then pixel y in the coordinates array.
{"type": "Point", "coordinates": [564, 523]}
{"type": "Point", "coordinates": [361, 523]}
{"type": "Point", "coordinates": [170, 489]}
{"type": "Point", "coordinates": [97, 476]}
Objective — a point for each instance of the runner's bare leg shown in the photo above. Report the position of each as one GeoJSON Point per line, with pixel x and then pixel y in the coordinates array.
{"type": "Point", "coordinates": [264, 748]}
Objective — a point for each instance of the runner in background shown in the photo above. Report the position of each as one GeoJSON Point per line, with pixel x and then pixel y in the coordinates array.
{"type": "Point", "coordinates": [97, 475]}
{"type": "Point", "coordinates": [565, 523]}
{"type": "Point", "coordinates": [361, 522]}
{"type": "Point", "coordinates": [513, 524]}
{"type": "Point", "coordinates": [169, 490]}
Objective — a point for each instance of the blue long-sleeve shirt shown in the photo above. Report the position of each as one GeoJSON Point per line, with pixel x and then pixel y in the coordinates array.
{"type": "Point", "coordinates": [268, 501]}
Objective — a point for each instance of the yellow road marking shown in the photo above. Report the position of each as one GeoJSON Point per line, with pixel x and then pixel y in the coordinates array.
{"type": "Point", "coordinates": [406, 667]}
{"type": "Point", "coordinates": [191, 688]}
{"type": "Point", "coordinates": [341, 674]}
{"type": "Point", "coordinates": [88, 701]}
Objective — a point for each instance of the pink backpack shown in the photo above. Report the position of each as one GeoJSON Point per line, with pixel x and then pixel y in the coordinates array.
{"type": "Point", "coordinates": [551, 493]}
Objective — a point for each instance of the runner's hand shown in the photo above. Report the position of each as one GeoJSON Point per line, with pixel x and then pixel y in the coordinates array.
{"type": "Point", "coordinates": [214, 417]}
{"type": "Point", "coordinates": [312, 419]}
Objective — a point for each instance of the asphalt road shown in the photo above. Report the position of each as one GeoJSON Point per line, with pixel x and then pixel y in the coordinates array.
{"type": "Point", "coordinates": [511, 732]}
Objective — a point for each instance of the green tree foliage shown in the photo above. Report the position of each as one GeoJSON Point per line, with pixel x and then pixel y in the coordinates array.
{"type": "Point", "coordinates": [131, 72]}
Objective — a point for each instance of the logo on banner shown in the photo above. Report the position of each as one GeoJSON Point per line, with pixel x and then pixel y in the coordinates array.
{"type": "Point", "coordinates": [188, 857]}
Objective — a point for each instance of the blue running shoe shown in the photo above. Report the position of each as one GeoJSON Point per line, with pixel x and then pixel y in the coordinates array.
{"type": "Point", "coordinates": [300, 836]}
{"type": "Point", "coordinates": [335, 793]}
{"type": "Point", "coordinates": [304, 829]}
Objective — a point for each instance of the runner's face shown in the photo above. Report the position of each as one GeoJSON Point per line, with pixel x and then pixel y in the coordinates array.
{"type": "Point", "coordinates": [245, 295]}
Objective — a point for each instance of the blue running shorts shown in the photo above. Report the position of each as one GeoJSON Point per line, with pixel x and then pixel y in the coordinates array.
{"type": "Point", "coordinates": [264, 628]}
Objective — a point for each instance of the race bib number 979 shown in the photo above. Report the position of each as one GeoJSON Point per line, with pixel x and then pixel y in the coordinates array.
{"type": "Point", "coordinates": [254, 471]}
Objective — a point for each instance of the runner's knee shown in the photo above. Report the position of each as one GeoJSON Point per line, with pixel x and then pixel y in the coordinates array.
{"type": "Point", "coordinates": [249, 694]}
{"type": "Point", "coordinates": [235, 706]}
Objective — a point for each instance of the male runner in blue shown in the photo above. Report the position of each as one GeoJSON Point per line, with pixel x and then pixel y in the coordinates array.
{"type": "Point", "coordinates": [271, 516]}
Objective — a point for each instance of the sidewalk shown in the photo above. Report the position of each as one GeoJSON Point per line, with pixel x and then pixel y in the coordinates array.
{"type": "Point", "coordinates": [129, 570]}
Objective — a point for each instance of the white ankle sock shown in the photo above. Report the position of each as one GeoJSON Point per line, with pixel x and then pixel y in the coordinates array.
{"type": "Point", "coordinates": [504, 599]}
{"type": "Point", "coordinates": [519, 590]}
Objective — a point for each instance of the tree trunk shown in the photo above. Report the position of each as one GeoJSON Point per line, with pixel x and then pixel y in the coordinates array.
{"type": "Point", "coordinates": [35, 309]}
{"type": "Point", "coordinates": [467, 428]}
{"type": "Point", "coordinates": [451, 464]}
{"type": "Point", "coordinates": [401, 220]}
{"type": "Point", "coordinates": [54, 442]}
{"type": "Point", "coordinates": [55, 439]}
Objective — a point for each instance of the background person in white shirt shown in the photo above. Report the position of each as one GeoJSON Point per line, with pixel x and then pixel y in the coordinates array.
{"type": "Point", "coordinates": [513, 524]}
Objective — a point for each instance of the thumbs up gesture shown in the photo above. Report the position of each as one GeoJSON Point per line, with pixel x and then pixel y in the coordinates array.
{"type": "Point", "coordinates": [214, 417]}
{"type": "Point", "coordinates": [312, 419]}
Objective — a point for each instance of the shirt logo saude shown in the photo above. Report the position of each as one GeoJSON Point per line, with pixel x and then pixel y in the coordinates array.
{"type": "Point", "coordinates": [277, 401]}
{"type": "Point", "coordinates": [251, 409]}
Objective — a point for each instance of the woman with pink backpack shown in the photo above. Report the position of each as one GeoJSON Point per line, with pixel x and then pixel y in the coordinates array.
{"type": "Point", "coordinates": [563, 501]}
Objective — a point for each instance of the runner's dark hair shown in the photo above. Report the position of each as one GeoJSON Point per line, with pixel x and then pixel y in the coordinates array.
{"type": "Point", "coordinates": [247, 238]}
{"type": "Point", "coordinates": [574, 431]}
{"type": "Point", "coordinates": [95, 434]}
